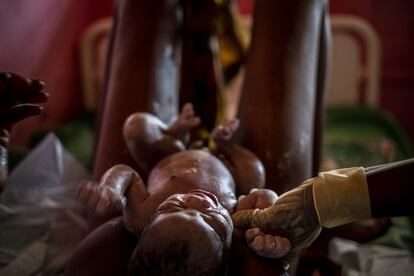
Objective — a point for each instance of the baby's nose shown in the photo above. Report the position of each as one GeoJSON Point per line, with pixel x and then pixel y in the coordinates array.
{"type": "Point", "coordinates": [197, 201]}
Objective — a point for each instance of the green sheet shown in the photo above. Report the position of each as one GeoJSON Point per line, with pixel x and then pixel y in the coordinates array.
{"type": "Point", "coordinates": [355, 136]}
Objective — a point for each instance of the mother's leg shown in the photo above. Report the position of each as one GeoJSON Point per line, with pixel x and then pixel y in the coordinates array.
{"type": "Point", "coordinates": [142, 74]}
{"type": "Point", "coordinates": [106, 251]}
{"type": "Point", "coordinates": [278, 105]}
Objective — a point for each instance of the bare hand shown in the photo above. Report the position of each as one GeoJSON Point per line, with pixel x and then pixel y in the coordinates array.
{"type": "Point", "coordinates": [292, 216]}
{"type": "Point", "coordinates": [101, 200]}
{"type": "Point", "coordinates": [266, 245]}
{"type": "Point", "coordinates": [19, 98]}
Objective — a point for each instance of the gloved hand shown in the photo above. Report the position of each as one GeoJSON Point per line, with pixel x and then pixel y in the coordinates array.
{"type": "Point", "coordinates": [331, 199]}
{"type": "Point", "coordinates": [262, 244]}
{"type": "Point", "coordinates": [291, 216]}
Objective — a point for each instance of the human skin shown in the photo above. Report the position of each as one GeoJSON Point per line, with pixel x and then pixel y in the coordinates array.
{"type": "Point", "coordinates": [199, 211]}
{"type": "Point", "coordinates": [281, 99]}
{"type": "Point", "coordinates": [189, 187]}
{"type": "Point", "coordinates": [278, 110]}
{"type": "Point", "coordinates": [295, 213]}
{"type": "Point", "coordinates": [143, 74]}
{"type": "Point", "coordinates": [19, 98]}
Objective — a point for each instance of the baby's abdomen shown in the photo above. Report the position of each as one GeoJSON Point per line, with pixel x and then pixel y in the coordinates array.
{"type": "Point", "coordinates": [193, 169]}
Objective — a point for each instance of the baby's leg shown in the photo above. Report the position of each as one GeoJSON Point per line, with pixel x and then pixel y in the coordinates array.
{"type": "Point", "coordinates": [279, 100]}
{"type": "Point", "coordinates": [149, 139]}
{"type": "Point", "coordinates": [246, 169]}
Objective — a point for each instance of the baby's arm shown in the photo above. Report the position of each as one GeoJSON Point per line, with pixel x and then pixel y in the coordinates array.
{"type": "Point", "coordinates": [109, 196]}
{"type": "Point", "coordinates": [262, 244]}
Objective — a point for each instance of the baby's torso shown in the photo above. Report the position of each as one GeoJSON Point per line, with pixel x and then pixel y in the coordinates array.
{"type": "Point", "coordinates": [193, 169]}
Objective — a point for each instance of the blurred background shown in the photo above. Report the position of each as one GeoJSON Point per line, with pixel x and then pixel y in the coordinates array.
{"type": "Point", "coordinates": [369, 106]}
{"type": "Point", "coordinates": [43, 39]}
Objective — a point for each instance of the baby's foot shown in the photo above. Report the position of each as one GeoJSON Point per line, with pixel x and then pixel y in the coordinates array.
{"type": "Point", "coordinates": [225, 131]}
{"type": "Point", "coordinates": [185, 122]}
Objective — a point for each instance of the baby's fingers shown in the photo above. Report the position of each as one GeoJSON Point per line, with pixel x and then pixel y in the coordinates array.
{"type": "Point", "coordinates": [265, 245]}
{"type": "Point", "coordinates": [118, 201]}
{"type": "Point", "coordinates": [187, 110]}
{"type": "Point", "coordinates": [84, 190]}
{"type": "Point", "coordinates": [22, 111]}
{"type": "Point", "coordinates": [252, 233]}
{"type": "Point", "coordinates": [15, 89]}
{"type": "Point", "coordinates": [275, 246]}
{"type": "Point", "coordinates": [89, 195]}
{"type": "Point", "coordinates": [112, 198]}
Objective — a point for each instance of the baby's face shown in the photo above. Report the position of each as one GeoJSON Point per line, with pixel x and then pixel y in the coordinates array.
{"type": "Point", "coordinates": [202, 209]}
{"type": "Point", "coordinates": [190, 234]}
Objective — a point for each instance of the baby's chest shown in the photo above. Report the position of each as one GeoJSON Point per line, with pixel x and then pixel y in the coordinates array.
{"type": "Point", "coordinates": [188, 179]}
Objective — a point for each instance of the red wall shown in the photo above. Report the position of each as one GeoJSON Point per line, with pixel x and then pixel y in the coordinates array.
{"type": "Point", "coordinates": [394, 23]}
{"type": "Point", "coordinates": [40, 39]}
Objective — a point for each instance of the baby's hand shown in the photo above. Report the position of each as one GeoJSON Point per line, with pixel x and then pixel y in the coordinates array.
{"type": "Point", "coordinates": [266, 245]}
{"type": "Point", "coordinates": [101, 200]}
{"type": "Point", "coordinates": [262, 244]}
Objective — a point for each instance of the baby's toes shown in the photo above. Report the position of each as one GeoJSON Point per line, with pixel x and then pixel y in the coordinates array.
{"type": "Point", "coordinates": [233, 125]}
{"type": "Point", "coordinates": [193, 121]}
{"type": "Point", "coordinates": [187, 111]}
{"type": "Point", "coordinates": [258, 245]}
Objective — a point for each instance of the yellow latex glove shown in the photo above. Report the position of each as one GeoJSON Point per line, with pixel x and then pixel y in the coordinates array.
{"type": "Point", "coordinates": [331, 199]}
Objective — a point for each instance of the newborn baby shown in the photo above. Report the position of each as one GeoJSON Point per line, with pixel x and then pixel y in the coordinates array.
{"type": "Point", "coordinates": [182, 214]}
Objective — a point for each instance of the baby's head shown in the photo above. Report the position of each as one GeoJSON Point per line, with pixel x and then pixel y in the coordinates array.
{"type": "Point", "coordinates": [190, 234]}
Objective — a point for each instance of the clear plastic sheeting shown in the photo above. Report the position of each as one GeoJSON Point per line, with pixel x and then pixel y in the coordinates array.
{"type": "Point", "coordinates": [41, 218]}
{"type": "Point", "coordinates": [369, 259]}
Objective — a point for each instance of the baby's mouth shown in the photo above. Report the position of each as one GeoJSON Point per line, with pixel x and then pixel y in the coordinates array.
{"type": "Point", "coordinates": [199, 199]}
{"type": "Point", "coordinates": [204, 194]}
{"type": "Point", "coordinates": [208, 205]}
